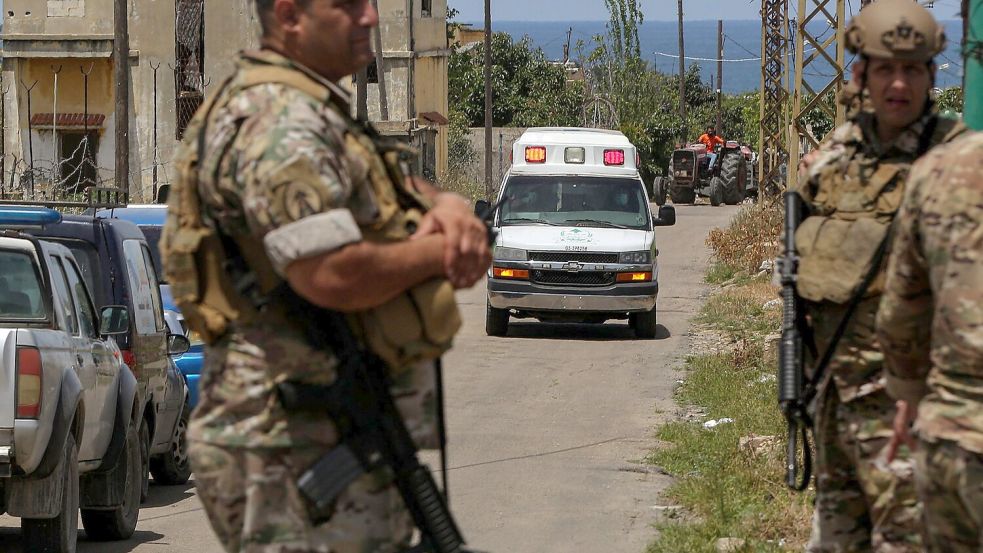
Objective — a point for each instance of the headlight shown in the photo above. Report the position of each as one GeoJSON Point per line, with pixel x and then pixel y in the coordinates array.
{"type": "Point", "coordinates": [635, 258]}
{"type": "Point", "coordinates": [510, 254]}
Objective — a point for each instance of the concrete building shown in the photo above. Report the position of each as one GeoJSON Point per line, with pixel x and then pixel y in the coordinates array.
{"type": "Point", "coordinates": [177, 48]}
{"type": "Point", "coordinates": [59, 97]}
{"type": "Point", "coordinates": [415, 53]}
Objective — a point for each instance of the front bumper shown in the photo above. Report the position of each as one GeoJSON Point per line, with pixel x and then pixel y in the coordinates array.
{"type": "Point", "coordinates": [527, 296]}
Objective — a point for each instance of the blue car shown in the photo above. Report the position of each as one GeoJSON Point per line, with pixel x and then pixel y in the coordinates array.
{"type": "Point", "coordinates": [150, 219]}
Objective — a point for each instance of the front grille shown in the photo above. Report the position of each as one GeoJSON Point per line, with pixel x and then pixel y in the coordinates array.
{"type": "Point", "coordinates": [560, 278]}
{"type": "Point", "coordinates": [683, 161]}
{"type": "Point", "coordinates": [565, 257]}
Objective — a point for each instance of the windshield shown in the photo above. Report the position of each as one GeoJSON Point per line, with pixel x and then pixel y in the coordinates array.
{"type": "Point", "coordinates": [20, 287]}
{"type": "Point", "coordinates": [152, 234]}
{"type": "Point", "coordinates": [601, 202]}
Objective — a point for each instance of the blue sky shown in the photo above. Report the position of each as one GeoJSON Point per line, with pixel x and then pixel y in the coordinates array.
{"type": "Point", "coordinates": [654, 10]}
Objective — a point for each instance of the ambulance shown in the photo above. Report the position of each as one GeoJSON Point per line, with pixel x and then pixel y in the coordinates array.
{"type": "Point", "coordinates": [575, 234]}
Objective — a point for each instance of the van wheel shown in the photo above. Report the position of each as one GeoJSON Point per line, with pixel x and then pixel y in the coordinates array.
{"type": "Point", "coordinates": [120, 522]}
{"type": "Point", "coordinates": [645, 324]}
{"type": "Point", "coordinates": [174, 467]}
{"type": "Point", "coordinates": [59, 534]}
{"type": "Point", "coordinates": [496, 321]}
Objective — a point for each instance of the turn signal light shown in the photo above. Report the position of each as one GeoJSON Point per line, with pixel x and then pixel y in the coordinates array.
{"type": "Point", "coordinates": [614, 157]}
{"type": "Point", "coordinates": [28, 383]}
{"type": "Point", "coordinates": [535, 154]}
{"type": "Point", "coordinates": [514, 274]}
{"type": "Point", "coordinates": [634, 277]}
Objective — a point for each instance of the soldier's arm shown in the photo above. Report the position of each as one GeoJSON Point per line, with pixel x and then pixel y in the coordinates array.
{"type": "Point", "coordinates": [904, 320]}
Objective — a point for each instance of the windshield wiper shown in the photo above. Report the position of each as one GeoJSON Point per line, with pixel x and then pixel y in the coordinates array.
{"type": "Point", "coordinates": [527, 220]}
{"type": "Point", "coordinates": [588, 222]}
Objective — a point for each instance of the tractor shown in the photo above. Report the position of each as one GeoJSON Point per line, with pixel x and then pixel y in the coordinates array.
{"type": "Point", "coordinates": [727, 179]}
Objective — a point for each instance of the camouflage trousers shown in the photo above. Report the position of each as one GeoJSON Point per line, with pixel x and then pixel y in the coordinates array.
{"type": "Point", "coordinates": [950, 485]}
{"type": "Point", "coordinates": [254, 505]}
{"type": "Point", "coordinates": [862, 503]}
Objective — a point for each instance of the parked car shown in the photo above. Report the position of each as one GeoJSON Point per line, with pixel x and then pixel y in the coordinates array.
{"type": "Point", "coordinates": [150, 219]}
{"type": "Point", "coordinates": [117, 264]}
{"type": "Point", "coordinates": [68, 438]}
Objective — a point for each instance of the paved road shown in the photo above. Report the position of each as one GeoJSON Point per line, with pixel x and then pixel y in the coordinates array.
{"type": "Point", "coordinates": [547, 427]}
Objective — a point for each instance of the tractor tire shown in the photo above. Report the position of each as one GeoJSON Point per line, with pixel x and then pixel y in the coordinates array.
{"type": "Point", "coordinates": [59, 534]}
{"type": "Point", "coordinates": [716, 192]}
{"type": "Point", "coordinates": [660, 191]}
{"type": "Point", "coordinates": [733, 174]}
{"type": "Point", "coordinates": [682, 195]}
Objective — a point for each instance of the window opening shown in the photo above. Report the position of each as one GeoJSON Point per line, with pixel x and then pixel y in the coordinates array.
{"type": "Point", "coordinates": [426, 8]}
{"type": "Point", "coordinates": [189, 56]}
{"type": "Point", "coordinates": [67, 304]}
{"type": "Point", "coordinates": [87, 313]}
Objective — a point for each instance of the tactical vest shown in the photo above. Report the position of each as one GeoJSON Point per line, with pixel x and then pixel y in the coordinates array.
{"type": "Point", "coordinates": [837, 251]}
{"type": "Point", "coordinates": [211, 292]}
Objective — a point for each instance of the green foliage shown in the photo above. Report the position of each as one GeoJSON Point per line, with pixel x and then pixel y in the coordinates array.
{"type": "Point", "coordinates": [528, 90]}
{"type": "Point", "coordinates": [951, 99]}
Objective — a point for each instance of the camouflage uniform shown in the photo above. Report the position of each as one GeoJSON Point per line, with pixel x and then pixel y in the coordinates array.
{"type": "Point", "coordinates": [275, 155]}
{"type": "Point", "coordinates": [931, 327]}
{"type": "Point", "coordinates": [862, 503]}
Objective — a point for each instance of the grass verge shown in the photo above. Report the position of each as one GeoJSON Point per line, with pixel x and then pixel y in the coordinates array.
{"type": "Point", "coordinates": [730, 478]}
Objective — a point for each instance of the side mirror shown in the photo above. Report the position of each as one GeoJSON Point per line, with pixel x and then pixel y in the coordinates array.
{"type": "Point", "coordinates": [666, 218]}
{"type": "Point", "coordinates": [481, 208]}
{"type": "Point", "coordinates": [114, 320]}
{"type": "Point", "coordinates": [177, 344]}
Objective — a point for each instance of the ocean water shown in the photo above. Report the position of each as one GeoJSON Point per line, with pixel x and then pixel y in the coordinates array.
{"type": "Point", "coordinates": [742, 48]}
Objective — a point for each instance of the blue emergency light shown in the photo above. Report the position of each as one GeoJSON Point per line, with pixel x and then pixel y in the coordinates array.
{"type": "Point", "coordinates": [28, 216]}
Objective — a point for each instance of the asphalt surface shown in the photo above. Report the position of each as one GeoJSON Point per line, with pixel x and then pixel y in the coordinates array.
{"type": "Point", "coordinates": [548, 427]}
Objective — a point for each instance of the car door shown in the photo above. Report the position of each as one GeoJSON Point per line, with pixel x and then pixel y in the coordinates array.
{"type": "Point", "coordinates": [84, 357]}
{"type": "Point", "coordinates": [104, 356]}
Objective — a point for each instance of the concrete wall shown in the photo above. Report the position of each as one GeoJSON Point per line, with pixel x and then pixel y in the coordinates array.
{"type": "Point", "coordinates": [502, 140]}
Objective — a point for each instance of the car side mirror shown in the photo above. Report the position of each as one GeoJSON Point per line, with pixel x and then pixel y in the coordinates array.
{"type": "Point", "coordinates": [481, 208]}
{"type": "Point", "coordinates": [666, 218]}
{"type": "Point", "coordinates": [114, 320]}
{"type": "Point", "coordinates": [178, 344]}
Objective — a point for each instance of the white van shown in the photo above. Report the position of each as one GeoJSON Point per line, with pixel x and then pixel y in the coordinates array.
{"type": "Point", "coordinates": [575, 233]}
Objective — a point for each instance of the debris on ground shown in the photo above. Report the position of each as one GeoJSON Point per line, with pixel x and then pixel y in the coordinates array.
{"type": "Point", "coordinates": [717, 422]}
{"type": "Point", "coordinates": [753, 445]}
{"type": "Point", "coordinates": [730, 545]}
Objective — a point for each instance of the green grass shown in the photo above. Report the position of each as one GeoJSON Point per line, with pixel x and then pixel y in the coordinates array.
{"type": "Point", "coordinates": [726, 492]}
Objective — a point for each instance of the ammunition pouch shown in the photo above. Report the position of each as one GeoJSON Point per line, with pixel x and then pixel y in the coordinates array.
{"type": "Point", "coordinates": [834, 256]}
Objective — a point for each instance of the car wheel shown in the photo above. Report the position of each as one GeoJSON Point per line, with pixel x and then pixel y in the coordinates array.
{"type": "Point", "coordinates": [120, 522]}
{"type": "Point", "coordinates": [645, 324]}
{"type": "Point", "coordinates": [59, 534]}
{"type": "Point", "coordinates": [496, 321]}
{"type": "Point", "coordinates": [174, 467]}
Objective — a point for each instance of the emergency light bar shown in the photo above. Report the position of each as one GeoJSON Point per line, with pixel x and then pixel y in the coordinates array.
{"type": "Point", "coordinates": [614, 157]}
{"type": "Point", "coordinates": [28, 216]}
{"type": "Point", "coordinates": [535, 154]}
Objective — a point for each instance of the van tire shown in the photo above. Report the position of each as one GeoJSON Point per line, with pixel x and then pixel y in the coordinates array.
{"type": "Point", "coordinates": [496, 320]}
{"type": "Point", "coordinates": [173, 468]}
{"type": "Point", "coordinates": [59, 534]}
{"type": "Point", "coordinates": [120, 522]}
{"type": "Point", "coordinates": [645, 324]}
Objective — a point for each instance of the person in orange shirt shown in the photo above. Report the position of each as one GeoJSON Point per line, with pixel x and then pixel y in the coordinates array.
{"type": "Point", "coordinates": [711, 140]}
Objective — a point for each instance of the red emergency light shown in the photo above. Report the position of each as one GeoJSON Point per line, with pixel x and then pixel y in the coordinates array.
{"type": "Point", "coordinates": [614, 157]}
{"type": "Point", "coordinates": [535, 154]}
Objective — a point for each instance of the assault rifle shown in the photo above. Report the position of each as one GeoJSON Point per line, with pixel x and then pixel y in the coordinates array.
{"type": "Point", "coordinates": [792, 396]}
{"type": "Point", "coordinates": [373, 433]}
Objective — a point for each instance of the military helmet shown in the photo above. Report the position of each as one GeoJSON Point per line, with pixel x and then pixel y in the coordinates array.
{"type": "Point", "coordinates": [896, 29]}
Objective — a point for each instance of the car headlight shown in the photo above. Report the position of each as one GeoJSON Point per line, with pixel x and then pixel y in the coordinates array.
{"type": "Point", "coordinates": [635, 258]}
{"type": "Point", "coordinates": [510, 254]}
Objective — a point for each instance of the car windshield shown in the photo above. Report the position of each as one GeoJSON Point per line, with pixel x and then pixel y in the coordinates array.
{"type": "Point", "coordinates": [152, 233]}
{"type": "Point", "coordinates": [600, 202]}
{"type": "Point", "coordinates": [20, 287]}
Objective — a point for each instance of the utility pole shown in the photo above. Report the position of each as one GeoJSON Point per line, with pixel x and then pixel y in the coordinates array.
{"type": "Point", "coordinates": [774, 94]}
{"type": "Point", "coordinates": [682, 76]}
{"type": "Point", "coordinates": [973, 77]}
{"type": "Point", "coordinates": [121, 57]}
{"type": "Point", "coordinates": [720, 76]}
{"type": "Point", "coordinates": [488, 100]}
{"type": "Point", "coordinates": [380, 62]}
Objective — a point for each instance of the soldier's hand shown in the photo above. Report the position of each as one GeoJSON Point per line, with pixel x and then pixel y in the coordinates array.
{"type": "Point", "coordinates": [902, 425]}
{"type": "Point", "coordinates": [467, 255]}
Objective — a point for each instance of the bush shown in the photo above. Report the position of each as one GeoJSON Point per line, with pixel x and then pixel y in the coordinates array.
{"type": "Point", "coordinates": [753, 237]}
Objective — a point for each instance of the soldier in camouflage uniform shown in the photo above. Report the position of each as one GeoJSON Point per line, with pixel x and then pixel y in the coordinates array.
{"type": "Point", "coordinates": [930, 326]}
{"type": "Point", "coordinates": [853, 187]}
{"type": "Point", "coordinates": [276, 173]}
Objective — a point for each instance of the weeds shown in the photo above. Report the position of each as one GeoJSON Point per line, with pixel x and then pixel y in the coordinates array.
{"type": "Point", "coordinates": [752, 238]}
